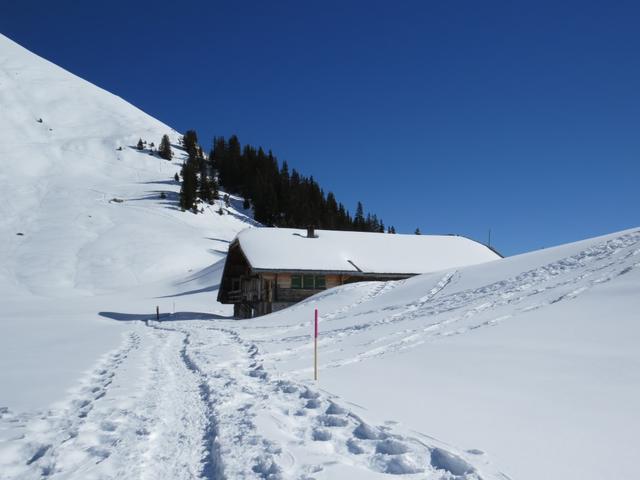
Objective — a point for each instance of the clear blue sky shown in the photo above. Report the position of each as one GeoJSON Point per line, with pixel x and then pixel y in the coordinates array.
{"type": "Point", "coordinates": [454, 116]}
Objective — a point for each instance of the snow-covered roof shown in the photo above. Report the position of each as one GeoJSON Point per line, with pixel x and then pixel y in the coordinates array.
{"type": "Point", "coordinates": [338, 251]}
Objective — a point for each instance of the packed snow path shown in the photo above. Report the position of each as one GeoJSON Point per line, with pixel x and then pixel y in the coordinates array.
{"type": "Point", "coordinates": [203, 406]}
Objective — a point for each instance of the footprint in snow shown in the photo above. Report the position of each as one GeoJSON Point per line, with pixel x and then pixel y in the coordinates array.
{"type": "Point", "coordinates": [321, 435]}
{"type": "Point", "coordinates": [313, 403]}
{"type": "Point", "coordinates": [335, 409]}
{"type": "Point", "coordinates": [391, 447]}
{"type": "Point", "coordinates": [443, 460]}
{"type": "Point", "coordinates": [332, 421]}
{"type": "Point", "coordinates": [365, 431]}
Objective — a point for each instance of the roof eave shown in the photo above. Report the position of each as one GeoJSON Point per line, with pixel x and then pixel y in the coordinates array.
{"type": "Point", "coordinates": [353, 273]}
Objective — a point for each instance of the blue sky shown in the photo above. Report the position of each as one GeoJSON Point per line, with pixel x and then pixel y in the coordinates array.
{"type": "Point", "coordinates": [449, 116]}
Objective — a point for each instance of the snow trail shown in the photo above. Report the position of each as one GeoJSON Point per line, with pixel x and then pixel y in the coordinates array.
{"type": "Point", "coordinates": [48, 442]}
{"type": "Point", "coordinates": [273, 428]}
{"type": "Point", "coordinates": [140, 414]}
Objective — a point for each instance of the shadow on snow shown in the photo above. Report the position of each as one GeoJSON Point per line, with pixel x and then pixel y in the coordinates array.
{"type": "Point", "coordinates": [164, 317]}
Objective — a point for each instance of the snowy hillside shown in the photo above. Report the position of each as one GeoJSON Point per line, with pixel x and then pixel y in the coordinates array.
{"type": "Point", "coordinates": [523, 368]}
{"type": "Point", "coordinates": [66, 246]}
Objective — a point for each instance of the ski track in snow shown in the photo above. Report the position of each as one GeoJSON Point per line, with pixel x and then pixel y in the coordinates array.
{"type": "Point", "coordinates": [437, 314]}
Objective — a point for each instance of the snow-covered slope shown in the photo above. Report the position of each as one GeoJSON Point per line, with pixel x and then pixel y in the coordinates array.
{"type": "Point", "coordinates": [66, 246]}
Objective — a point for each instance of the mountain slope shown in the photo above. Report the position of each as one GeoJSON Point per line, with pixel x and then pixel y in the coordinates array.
{"type": "Point", "coordinates": [59, 177]}
{"type": "Point", "coordinates": [83, 224]}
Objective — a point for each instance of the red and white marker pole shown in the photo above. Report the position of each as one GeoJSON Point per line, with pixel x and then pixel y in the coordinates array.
{"type": "Point", "coordinates": [315, 347]}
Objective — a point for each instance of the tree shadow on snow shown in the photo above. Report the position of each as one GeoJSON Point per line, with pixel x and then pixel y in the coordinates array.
{"type": "Point", "coordinates": [170, 201]}
{"type": "Point", "coordinates": [164, 317]}
{"type": "Point", "coordinates": [218, 239]}
{"type": "Point", "coordinates": [160, 182]}
{"type": "Point", "coordinates": [170, 197]}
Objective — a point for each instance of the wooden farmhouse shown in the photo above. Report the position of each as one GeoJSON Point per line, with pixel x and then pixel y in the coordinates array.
{"type": "Point", "coordinates": [268, 269]}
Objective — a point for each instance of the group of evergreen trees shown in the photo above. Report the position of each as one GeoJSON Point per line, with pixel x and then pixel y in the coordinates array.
{"type": "Point", "coordinates": [198, 175]}
{"type": "Point", "coordinates": [164, 150]}
{"type": "Point", "coordinates": [279, 197]}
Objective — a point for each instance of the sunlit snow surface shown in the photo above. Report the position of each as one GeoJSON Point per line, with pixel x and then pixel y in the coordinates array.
{"type": "Point", "coordinates": [527, 366]}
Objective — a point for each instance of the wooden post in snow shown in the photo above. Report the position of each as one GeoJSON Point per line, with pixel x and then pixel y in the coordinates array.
{"type": "Point", "coordinates": [315, 347]}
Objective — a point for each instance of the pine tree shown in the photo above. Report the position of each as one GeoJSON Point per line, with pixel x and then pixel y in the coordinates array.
{"type": "Point", "coordinates": [190, 142]}
{"type": "Point", "coordinates": [215, 194]}
{"type": "Point", "coordinates": [217, 157]}
{"type": "Point", "coordinates": [164, 150]}
{"type": "Point", "coordinates": [417, 232]}
{"type": "Point", "coordinates": [176, 177]}
{"type": "Point", "coordinates": [358, 221]}
{"type": "Point", "coordinates": [140, 145]}
{"type": "Point", "coordinates": [277, 196]}
{"type": "Point", "coordinates": [206, 189]}
{"type": "Point", "coordinates": [189, 186]}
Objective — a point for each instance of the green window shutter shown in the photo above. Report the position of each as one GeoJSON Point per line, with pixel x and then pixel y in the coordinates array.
{"type": "Point", "coordinates": [320, 282]}
{"type": "Point", "coordinates": [296, 281]}
{"type": "Point", "coordinates": [308, 282]}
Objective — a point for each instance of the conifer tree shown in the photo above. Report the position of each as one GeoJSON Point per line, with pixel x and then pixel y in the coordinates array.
{"type": "Point", "coordinates": [205, 189]}
{"type": "Point", "coordinates": [217, 155]}
{"type": "Point", "coordinates": [417, 232]}
{"type": "Point", "coordinates": [164, 150]}
{"type": "Point", "coordinates": [358, 220]}
{"type": "Point", "coordinates": [189, 186]}
{"type": "Point", "coordinates": [140, 145]}
{"type": "Point", "coordinates": [278, 197]}
{"type": "Point", "coordinates": [190, 143]}
{"type": "Point", "coordinates": [215, 194]}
